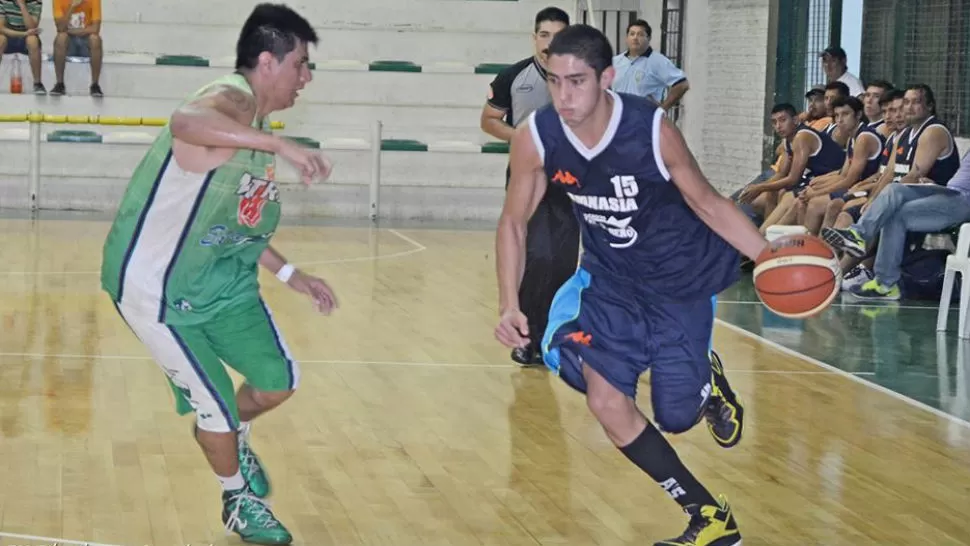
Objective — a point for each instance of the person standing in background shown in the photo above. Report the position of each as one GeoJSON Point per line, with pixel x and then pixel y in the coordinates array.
{"type": "Point", "coordinates": [643, 72]}
{"type": "Point", "coordinates": [835, 66]}
{"type": "Point", "coordinates": [552, 243]}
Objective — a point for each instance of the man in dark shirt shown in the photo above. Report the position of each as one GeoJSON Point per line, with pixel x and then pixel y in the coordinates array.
{"type": "Point", "coordinates": [552, 243]}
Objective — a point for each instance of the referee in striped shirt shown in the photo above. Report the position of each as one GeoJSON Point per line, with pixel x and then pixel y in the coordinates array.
{"type": "Point", "coordinates": [552, 241]}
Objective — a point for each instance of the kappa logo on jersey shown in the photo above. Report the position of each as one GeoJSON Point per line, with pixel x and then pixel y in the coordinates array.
{"type": "Point", "coordinates": [580, 338]}
{"type": "Point", "coordinates": [254, 194]}
{"type": "Point", "coordinates": [565, 178]}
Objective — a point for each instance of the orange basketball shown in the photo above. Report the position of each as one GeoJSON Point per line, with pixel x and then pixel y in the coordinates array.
{"type": "Point", "coordinates": [797, 276]}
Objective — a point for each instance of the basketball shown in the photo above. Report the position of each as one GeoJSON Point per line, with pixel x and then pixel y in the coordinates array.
{"type": "Point", "coordinates": [797, 276]}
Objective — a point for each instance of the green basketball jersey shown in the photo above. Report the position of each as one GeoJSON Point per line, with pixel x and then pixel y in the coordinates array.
{"type": "Point", "coordinates": [186, 245]}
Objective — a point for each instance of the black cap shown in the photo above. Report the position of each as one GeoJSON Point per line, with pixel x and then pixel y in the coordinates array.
{"type": "Point", "coordinates": [834, 51]}
{"type": "Point", "coordinates": [817, 90]}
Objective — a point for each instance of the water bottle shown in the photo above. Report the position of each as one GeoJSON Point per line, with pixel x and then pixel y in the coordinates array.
{"type": "Point", "coordinates": [16, 77]}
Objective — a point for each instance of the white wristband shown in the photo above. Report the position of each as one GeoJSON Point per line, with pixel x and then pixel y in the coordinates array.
{"type": "Point", "coordinates": [285, 272]}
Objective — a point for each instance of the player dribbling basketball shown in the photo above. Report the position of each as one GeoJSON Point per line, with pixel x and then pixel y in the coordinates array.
{"type": "Point", "coordinates": [659, 245]}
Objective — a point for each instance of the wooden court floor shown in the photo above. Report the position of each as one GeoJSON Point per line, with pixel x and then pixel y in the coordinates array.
{"type": "Point", "coordinates": [412, 427]}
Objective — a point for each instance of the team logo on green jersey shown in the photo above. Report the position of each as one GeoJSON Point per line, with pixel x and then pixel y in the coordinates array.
{"type": "Point", "coordinates": [254, 194]}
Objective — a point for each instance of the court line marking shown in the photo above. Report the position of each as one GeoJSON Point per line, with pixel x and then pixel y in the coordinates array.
{"type": "Point", "coordinates": [417, 247]}
{"type": "Point", "coordinates": [854, 377]}
{"type": "Point", "coordinates": [51, 540]}
{"type": "Point", "coordinates": [874, 305]}
{"type": "Point", "coordinates": [398, 363]}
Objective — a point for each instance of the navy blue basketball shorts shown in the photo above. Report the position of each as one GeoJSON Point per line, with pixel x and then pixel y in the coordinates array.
{"type": "Point", "coordinates": [855, 212]}
{"type": "Point", "coordinates": [801, 186]}
{"type": "Point", "coordinates": [621, 335]}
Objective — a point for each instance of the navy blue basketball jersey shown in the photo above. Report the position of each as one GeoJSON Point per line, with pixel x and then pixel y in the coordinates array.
{"type": "Point", "coordinates": [887, 150]}
{"type": "Point", "coordinates": [827, 158]}
{"type": "Point", "coordinates": [872, 162]}
{"type": "Point", "coordinates": [637, 229]}
{"type": "Point", "coordinates": [943, 168]}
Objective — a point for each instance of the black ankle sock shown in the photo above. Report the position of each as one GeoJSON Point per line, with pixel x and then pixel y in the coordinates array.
{"type": "Point", "coordinates": [654, 455]}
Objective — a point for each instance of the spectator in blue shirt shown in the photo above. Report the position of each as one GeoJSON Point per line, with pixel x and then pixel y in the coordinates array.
{"type": "Point", "coordinates": [643, 72]}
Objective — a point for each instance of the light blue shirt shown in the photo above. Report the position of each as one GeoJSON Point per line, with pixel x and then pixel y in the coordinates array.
{"type": "Point", "coordinates": [649, 75]}
{"type": "Point", "coordinates": [961, 180]}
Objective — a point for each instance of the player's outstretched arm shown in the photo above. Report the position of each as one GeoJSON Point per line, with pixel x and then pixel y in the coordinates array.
{"type": "Point", "coordinates": [222, 119]}
{"type": "Point", "coordinates": [715, 210]}
{"type": "Point", "coordinates": [527, 185]}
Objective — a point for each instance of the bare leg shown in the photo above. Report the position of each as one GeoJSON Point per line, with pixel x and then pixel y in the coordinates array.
{"type": "Point", "coordinates": [33, 53]}
{"type": "Point", "coordinates": [617, 414]}
{"type": "Point", "coordinates": [60, 56]}
{"type": "Point", "coordinates": [815, 213]}
{"type": "Point", "coordinates": [253, 403]}
{"type": "Point", "coordinates": [784, 205]}
{"type": "Point", "coordinates": [832, 212]}
{"type": "Point", "coordinates": [645, 446]}
{"type": "Point", "coordinates": [97, 54]}
{"type": "Point", "coordinates": [220, 450]}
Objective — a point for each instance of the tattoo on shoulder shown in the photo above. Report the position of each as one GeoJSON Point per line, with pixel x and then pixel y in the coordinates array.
{"type": "Point", "coordinates": [241, 101]}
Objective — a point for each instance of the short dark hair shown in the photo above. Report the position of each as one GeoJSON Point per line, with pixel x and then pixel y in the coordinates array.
{"type": "Point", "coordinates": [585, 42]}
{"type": "Point", "coordinates": [834, 52]}
{"type": "Point", "coordinates": [640, 23]}
{"type": "Point", "coordinates": [551, 14]}
{"type": "Point", "coordinates": [891, 95]}
{"type": "Point", "coordinates": [928, 97]}
{"type": "Point", "coordinates": [882, 84]}
{"type": "Point", "coordinates": [852, 102]}
{"type": "Point", "coordinates": [275, 28]}
{"type": "Point", "coordinates": [786, 108]}
{"type": "Point", "coordinates": [842, 88]}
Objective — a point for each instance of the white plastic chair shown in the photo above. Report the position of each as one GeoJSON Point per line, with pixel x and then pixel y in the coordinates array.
{"type": "Point", "coordinates": [957, 262]}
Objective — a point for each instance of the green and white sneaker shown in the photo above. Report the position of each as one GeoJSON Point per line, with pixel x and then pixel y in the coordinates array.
{"type": "Point", "coordinates": [250, 517]}
{"type": "Point", "coordinates": [250, 466]}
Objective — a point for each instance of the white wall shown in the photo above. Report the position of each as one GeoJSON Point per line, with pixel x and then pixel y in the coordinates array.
{"type": "Point", "coordinates": [726, 58]}
{"type": "Point", "coordinates": [651, 11]}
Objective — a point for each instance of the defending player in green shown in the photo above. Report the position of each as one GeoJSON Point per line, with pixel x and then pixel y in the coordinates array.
{"type": "Point", "coordinates": [181, 260]}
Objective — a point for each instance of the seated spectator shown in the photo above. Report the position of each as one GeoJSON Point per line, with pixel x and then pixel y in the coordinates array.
{"type": "Point", "coordinates": [833, 92]}
{"type": "Point", "coordinates": [842, 212]}
{"type": "Point", "coordinates": [814, 116]}
{"type": "Point", "coordinates": [20, 33]}
{"type": "Point", "coordinates": [861, 162]}
{"type": "Point", "coordinates": [872, 101]}
{"type": "Point", "coordinates": [834, 64]}
{"type": "Point", "coordinates": [922, 207]}
{"type": "Point", "coordinates": [925, 148]}
{"type": "Point", "coordinates": [78, 25]}
{"type": "Point", "coordinates": [923, 195]}
{"type": "Point", "coordinates": [646, 73]}
{"type": "Point", "coordinates": [847, 209]}
{"type": "Point", "coordinates": [808, 154]}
